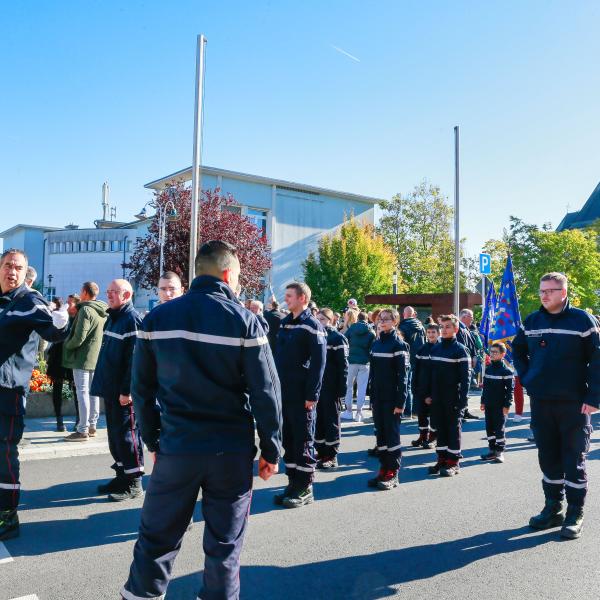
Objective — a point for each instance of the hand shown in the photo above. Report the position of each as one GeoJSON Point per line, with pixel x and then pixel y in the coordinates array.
{"type": "Point", "coordinates": [309, 405]}
{"type": "Point", "coordinates": [482, 407]}
{"type": "Point", "coordinates": [428, 400]}
{"type": "Point", "coordinates": [587, 409]}
{"type": "Point", "coordinates": [125, 400]}
{"type": "Point", "coordinates": [265, 469]}
{"type": "Point", "coordinates": [398, 411]}
{"type": "Point", "coordinates": [505, 410]}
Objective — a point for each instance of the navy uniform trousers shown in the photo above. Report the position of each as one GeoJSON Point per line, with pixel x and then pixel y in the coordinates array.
{"type": "Point", "coordinates": [387, 434]}
{"type": "Point", "coordinates": [447, 421]}
{"type": "Point", "coordinates": [11, 432]}
{"type": "Point", "coordinates": [562, 435]}
{"type": "Point", "coordinates": [226, 483]}
{"type": "Point", "coordinates": [327, 432]}
{"type": "Point", "coordinates": [124, 441]}
{"type": "Point", "coordinates": [495, 426]}
{"type": "Point", "coordinates": [298, 440]}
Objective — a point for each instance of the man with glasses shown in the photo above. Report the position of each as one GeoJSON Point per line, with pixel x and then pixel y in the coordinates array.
{"type": "Point", "coordinates": [557, 356]}
{"type": "Point", "coordinates": [112, 381]}
{"type": "Point", "coordinates": [169, 287]}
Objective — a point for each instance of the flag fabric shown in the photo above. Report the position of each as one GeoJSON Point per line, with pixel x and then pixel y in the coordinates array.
{"type": "Point", "coordinates": [507, 319]}
{"type": "Point", "coordinates": [487, 319]}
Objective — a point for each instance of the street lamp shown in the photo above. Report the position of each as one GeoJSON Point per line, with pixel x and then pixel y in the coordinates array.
{"type": "Point", "coordinates": [50, 286]}
{"type": "Point", "coordinates": [395, 283]}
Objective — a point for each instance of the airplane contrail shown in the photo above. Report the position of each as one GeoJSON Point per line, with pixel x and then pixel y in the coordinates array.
{"type": "Point", "coordinates": [341, 51]}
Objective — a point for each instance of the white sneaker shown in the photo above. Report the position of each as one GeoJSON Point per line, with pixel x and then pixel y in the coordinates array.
{"type": "Point", "coordinates": [346, 415]}
{"type": "Point", "coordinates": [517, 418]}
{"type": "Point", "coordinates": [359, 416]}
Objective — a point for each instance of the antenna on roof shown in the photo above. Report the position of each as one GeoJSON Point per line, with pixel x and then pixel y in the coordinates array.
{"type": "Point", "coordinates": [105, 195]}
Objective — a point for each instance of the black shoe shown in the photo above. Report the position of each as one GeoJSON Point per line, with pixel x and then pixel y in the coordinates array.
{"type": "Point", "coordinates": [450, 471]}
{"type": "Point", "coordinates": [435, 469]}
{"type": "Point", "coordinates": [327, 465]}
{"type": "Point", "coordinates": [116, 485]}
{"type": "Point", "coordinates": [573, 523]}
{"type": "Point", "coordinates": [299, 497]}
{"type": "Point", "coordinates": [60, 426]}
{"type": "Point", "coordinates": [469, 415]}
{"type": "Point", "coordinates": [278, 498]}
{"type": "Point", "coordinates": [419, 441]}
{"type": "Point", "coordinates": [491, 455]}
{"type": "Point", "coordinates": [133, 490]}
{"type": "Point", "coordinates": [373, 451]}
{"type": "Point", "coordinates": [552, 515]}
{"type": "Point", "coordinates": [9, 524]}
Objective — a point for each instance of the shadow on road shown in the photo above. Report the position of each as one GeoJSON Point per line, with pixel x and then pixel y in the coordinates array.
{"type": "Point", "coordinates": [372, 576]}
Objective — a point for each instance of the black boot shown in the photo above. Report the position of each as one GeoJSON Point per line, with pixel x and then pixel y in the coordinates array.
{"type": "Point", "coordinates": [9, 524]}
{"type": "Point", "coordinates": [133, 490]}
{"type": "Point", "coordinates": [117, 484]}
{"type": "Point", "coordinates": [299, 497]}
{"type": "Point", "coordinates": [573, 524]}
{"type": "Point", "coordinates": [552, 515]}
{"type": "Point", "coordinates": [60, 426]}
{"type": "Point", "coordinates": [278, 498]}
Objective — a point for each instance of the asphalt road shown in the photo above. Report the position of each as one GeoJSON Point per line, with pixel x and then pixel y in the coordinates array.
{"type": "Point", "coordinates": [463, 538]}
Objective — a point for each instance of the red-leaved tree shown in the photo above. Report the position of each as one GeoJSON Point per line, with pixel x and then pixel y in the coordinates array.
{"type": "Point", "coordinates": [219, 219]}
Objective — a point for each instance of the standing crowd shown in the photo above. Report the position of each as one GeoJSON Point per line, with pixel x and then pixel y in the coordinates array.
{"type": "Point", "coordinates": [201, 374]}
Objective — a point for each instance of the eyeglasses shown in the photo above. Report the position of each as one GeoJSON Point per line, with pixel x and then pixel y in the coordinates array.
{"type": "Point", "coordinates": [548, 291]}
{"type": "Point", "coordinates": [495, 352]}
{"type": "Point", "coordinates": [386, 320]}
{"type": "Point", "coordinates": [109, 292]}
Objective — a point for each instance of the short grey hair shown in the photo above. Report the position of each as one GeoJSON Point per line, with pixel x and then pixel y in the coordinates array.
{"type": "Point", "coordinates": [466, 312]}
{"type": "Point", "coordinates": [257, 304]}
{"type": "Point", "coordinates": [31, 275]}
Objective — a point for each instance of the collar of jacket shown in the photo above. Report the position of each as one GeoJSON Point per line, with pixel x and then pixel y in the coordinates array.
{"type": "Point", "coordinates": [565, 309]}
{"type": "Point", "coordinates": [115, 313]}
{"type": "Point", "coordinates": [305, 314]}
{"type": "Point", "coordinates": [208, 284]}
{"type": "Point", "coordinates": [9, 296]}
{"type": "Point", "coordinates": [447, 342]}
{"type": "Point", "coordinates": [387, 335]}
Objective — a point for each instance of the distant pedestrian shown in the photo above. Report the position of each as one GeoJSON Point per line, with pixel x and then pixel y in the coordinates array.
{"type": "Point", "coordinates": [273, 317]}
{"type": "Point", "coordinates": [169, 286]}
{"type": "Point", "coordinates": [30, 277]}
{"type": "Point", "coordinates": [256, 307]}
{"type": "Point", "coordinates": [414, 335]}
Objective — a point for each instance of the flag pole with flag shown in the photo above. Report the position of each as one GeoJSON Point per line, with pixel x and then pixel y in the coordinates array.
{"type": "Point", "coordinates": [507, 320]}
{"type": "Point", "coordinates": [487, 319]}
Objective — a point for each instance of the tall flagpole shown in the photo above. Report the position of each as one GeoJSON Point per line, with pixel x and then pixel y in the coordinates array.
{"type": "Point", "coordinates": [197, 159]}
{"type": "Point", "coordinates": [456, 224]}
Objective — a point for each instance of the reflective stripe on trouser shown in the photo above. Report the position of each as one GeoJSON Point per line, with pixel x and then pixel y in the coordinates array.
{"type": "Point", "coordinates": [562, 435]}
{"type": "Point", "coordinates": [327, 428]}
{"type": "Point", "coordinates": [298, 442]}
{"type": "Point", "coordinates": [446, 420]}
{"type": "Point", "coordinates": [424, 415]}
{"type": "Point", "coordinates": [387, 433]}
{"type": "Point", "coordinates": [171, 495]}
{"type": "Point", "coordinates": [495, 427]}
{"type": "Point", "coordinates": [11, 432]}
{"type": "Point", "coordinates": [124, 439]}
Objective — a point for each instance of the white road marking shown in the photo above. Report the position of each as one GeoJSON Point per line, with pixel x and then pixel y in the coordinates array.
{"type": "Point", "coordinates": [5, 557]}
{"type": "Point", "coordinates": [30, 597]}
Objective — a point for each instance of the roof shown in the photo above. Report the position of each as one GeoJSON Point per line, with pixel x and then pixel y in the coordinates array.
{"type": "Point", "coordinates": [22, 226]}
{"type": "Point", "coordinates": [584, 217]}
{"type": "Point", "coordinates": [186, 175]}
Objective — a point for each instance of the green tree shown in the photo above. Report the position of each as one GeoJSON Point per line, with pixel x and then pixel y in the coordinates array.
{"type": "Point", "coordinates": [417, 227]}
{"type": "Point", "coordinates": [352, 262]}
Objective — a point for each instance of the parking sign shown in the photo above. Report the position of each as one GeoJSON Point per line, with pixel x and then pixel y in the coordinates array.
{"type": "Point", "coordinates": [485, 264]}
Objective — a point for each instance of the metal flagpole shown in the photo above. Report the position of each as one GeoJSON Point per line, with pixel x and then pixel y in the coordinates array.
{"type": "Point", "coordinates": [197, 159]}
{"type": "Point", "coordinates": [456, 224]}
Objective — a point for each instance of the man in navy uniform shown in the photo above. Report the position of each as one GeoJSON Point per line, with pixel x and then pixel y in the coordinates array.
{"type": "Point", "coordinates": [207, 360]}
{"type": "Point", "coordinates": [23, 315]}
{"type": "Point", "coordinates": [557, 356]}
{"type": "Point", "coordinates": [300, 357]}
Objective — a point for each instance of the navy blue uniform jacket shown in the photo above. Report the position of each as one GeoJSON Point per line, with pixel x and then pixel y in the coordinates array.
{"type": "Point", "coordinates": [19, 343]}
{"type": "Point", "coordinates": [112, 376]}
{"type": "Point", "coordinates": [335, 378]}
{"type": "Point", "coordinates": [300, 357]}
{"type": "Point", "coordinates": [207, 361]}
{"type": "Point", "coordinates": [448, 373]}
{"type": "Point", "coordinates": [498, 385]}
{"type": "Point", "coordinates": [557, 356]}
{"type": "Point", "coordinates": [388, 375]}
{"type": "Point", "coordinates": [419, 378]}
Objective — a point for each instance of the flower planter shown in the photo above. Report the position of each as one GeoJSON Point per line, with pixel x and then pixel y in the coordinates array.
{"type": "Point", "coordinates": [39, 404]}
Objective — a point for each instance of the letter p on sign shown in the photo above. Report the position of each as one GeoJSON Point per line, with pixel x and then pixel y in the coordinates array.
{"type": "Point", "coordinates": [485, 264]}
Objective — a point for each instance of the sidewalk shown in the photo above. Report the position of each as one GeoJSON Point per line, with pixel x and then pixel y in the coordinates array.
{"type": "Point", "coordinates": [47, 443]}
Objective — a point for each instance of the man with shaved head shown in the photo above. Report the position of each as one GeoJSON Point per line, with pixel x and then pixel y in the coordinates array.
{"type": "Point", "coordinates": [112, 381]}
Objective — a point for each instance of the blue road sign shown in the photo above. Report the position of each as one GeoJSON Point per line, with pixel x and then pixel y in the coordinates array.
{"type": "Point", "coordinates": [485, 264]}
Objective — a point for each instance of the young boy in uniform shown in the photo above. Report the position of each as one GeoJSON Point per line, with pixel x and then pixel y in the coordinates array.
{"type": "Point", "coordinates": [388, 379]}
{"type": "Point", "coordinates": [498, 386]}
{"type": "Point", "coordinates": [446, 390]}
{"type": "Point", "coordinates": [427, 433]}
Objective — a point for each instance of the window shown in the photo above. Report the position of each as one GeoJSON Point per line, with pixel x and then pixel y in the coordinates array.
{"type": "Point", "coordinates": [75, 246]}
{"type": "Point", "coordinates": [259, 218]}
{"type": "Point", "coordinates": [54, 247]}
{"type": "Point", "coordinates": [61, 247]}
{"type": "Point", "coordinates": [234, 208]}
{"type": "Point", "coordinates": [114, 246]}
{"type": "Point", "coordinates": [68, 246]}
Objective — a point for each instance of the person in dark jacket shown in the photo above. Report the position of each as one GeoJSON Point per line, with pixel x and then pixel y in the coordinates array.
{"type": "Point", "coordinates": [427, 432]}
{"type": "Point", "coordinates": [112, 381]}
{"type": "Point", "coordinates": [207, 360]}
{"type": "Point", "coordinates": [465, 337]}
{"type": "Point", "coordinates": [300, 358]}
{"type": "Point", "coordinates": [273, 317]}
{"type": "Point", "coordinates": [446, 389]}
{"type": "Point", "coordinates": [388, 379]}
{"type": "Point", "coordinates": [496, 398]}
{"type": "Point", "coordinates": [414, 335]}
{"type": "Point", "coordinates": [333, 392]}
{"type": "Point", "coordinates": [360, 338]}
{"type": "Point", "coordinates": [24, 315]}
{"type": "Point", "coordinates": [557, 356]}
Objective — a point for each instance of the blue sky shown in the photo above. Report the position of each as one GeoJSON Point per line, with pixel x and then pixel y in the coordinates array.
{"type": "Point", "coordinates": [101, 90]}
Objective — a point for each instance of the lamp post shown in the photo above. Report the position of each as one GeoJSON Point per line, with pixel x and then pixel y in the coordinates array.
{"type": "Point", "coordinates": [49, 286]}
{"type": "Point", "coordinates": [395, 283]}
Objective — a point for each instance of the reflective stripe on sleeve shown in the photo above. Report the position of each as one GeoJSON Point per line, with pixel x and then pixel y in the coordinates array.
{"type": "Point", "coordinates": [193, 336]}
{"type": "Point", "coordinates": [451, 360]}
{"type": "Point", "coordinates": [307, 327]}
{"type": "Point", "coordinates": [536, 332]}
{"type": "Point", "coordinates": [498, 376]}
{"type": "Point", "coordinates": [121, 336]}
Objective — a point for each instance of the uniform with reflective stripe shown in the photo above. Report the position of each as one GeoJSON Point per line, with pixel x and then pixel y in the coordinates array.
{"type": "Point", "coordinates": [419, 386]}
{"type": "Point", "coordinates": [498, 386]}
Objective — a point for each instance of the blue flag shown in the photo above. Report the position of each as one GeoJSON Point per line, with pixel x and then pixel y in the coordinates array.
{"type": "Point", "coordinates": [487, 318]}
{"type": "Point", "coordinates": [508, 319]}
